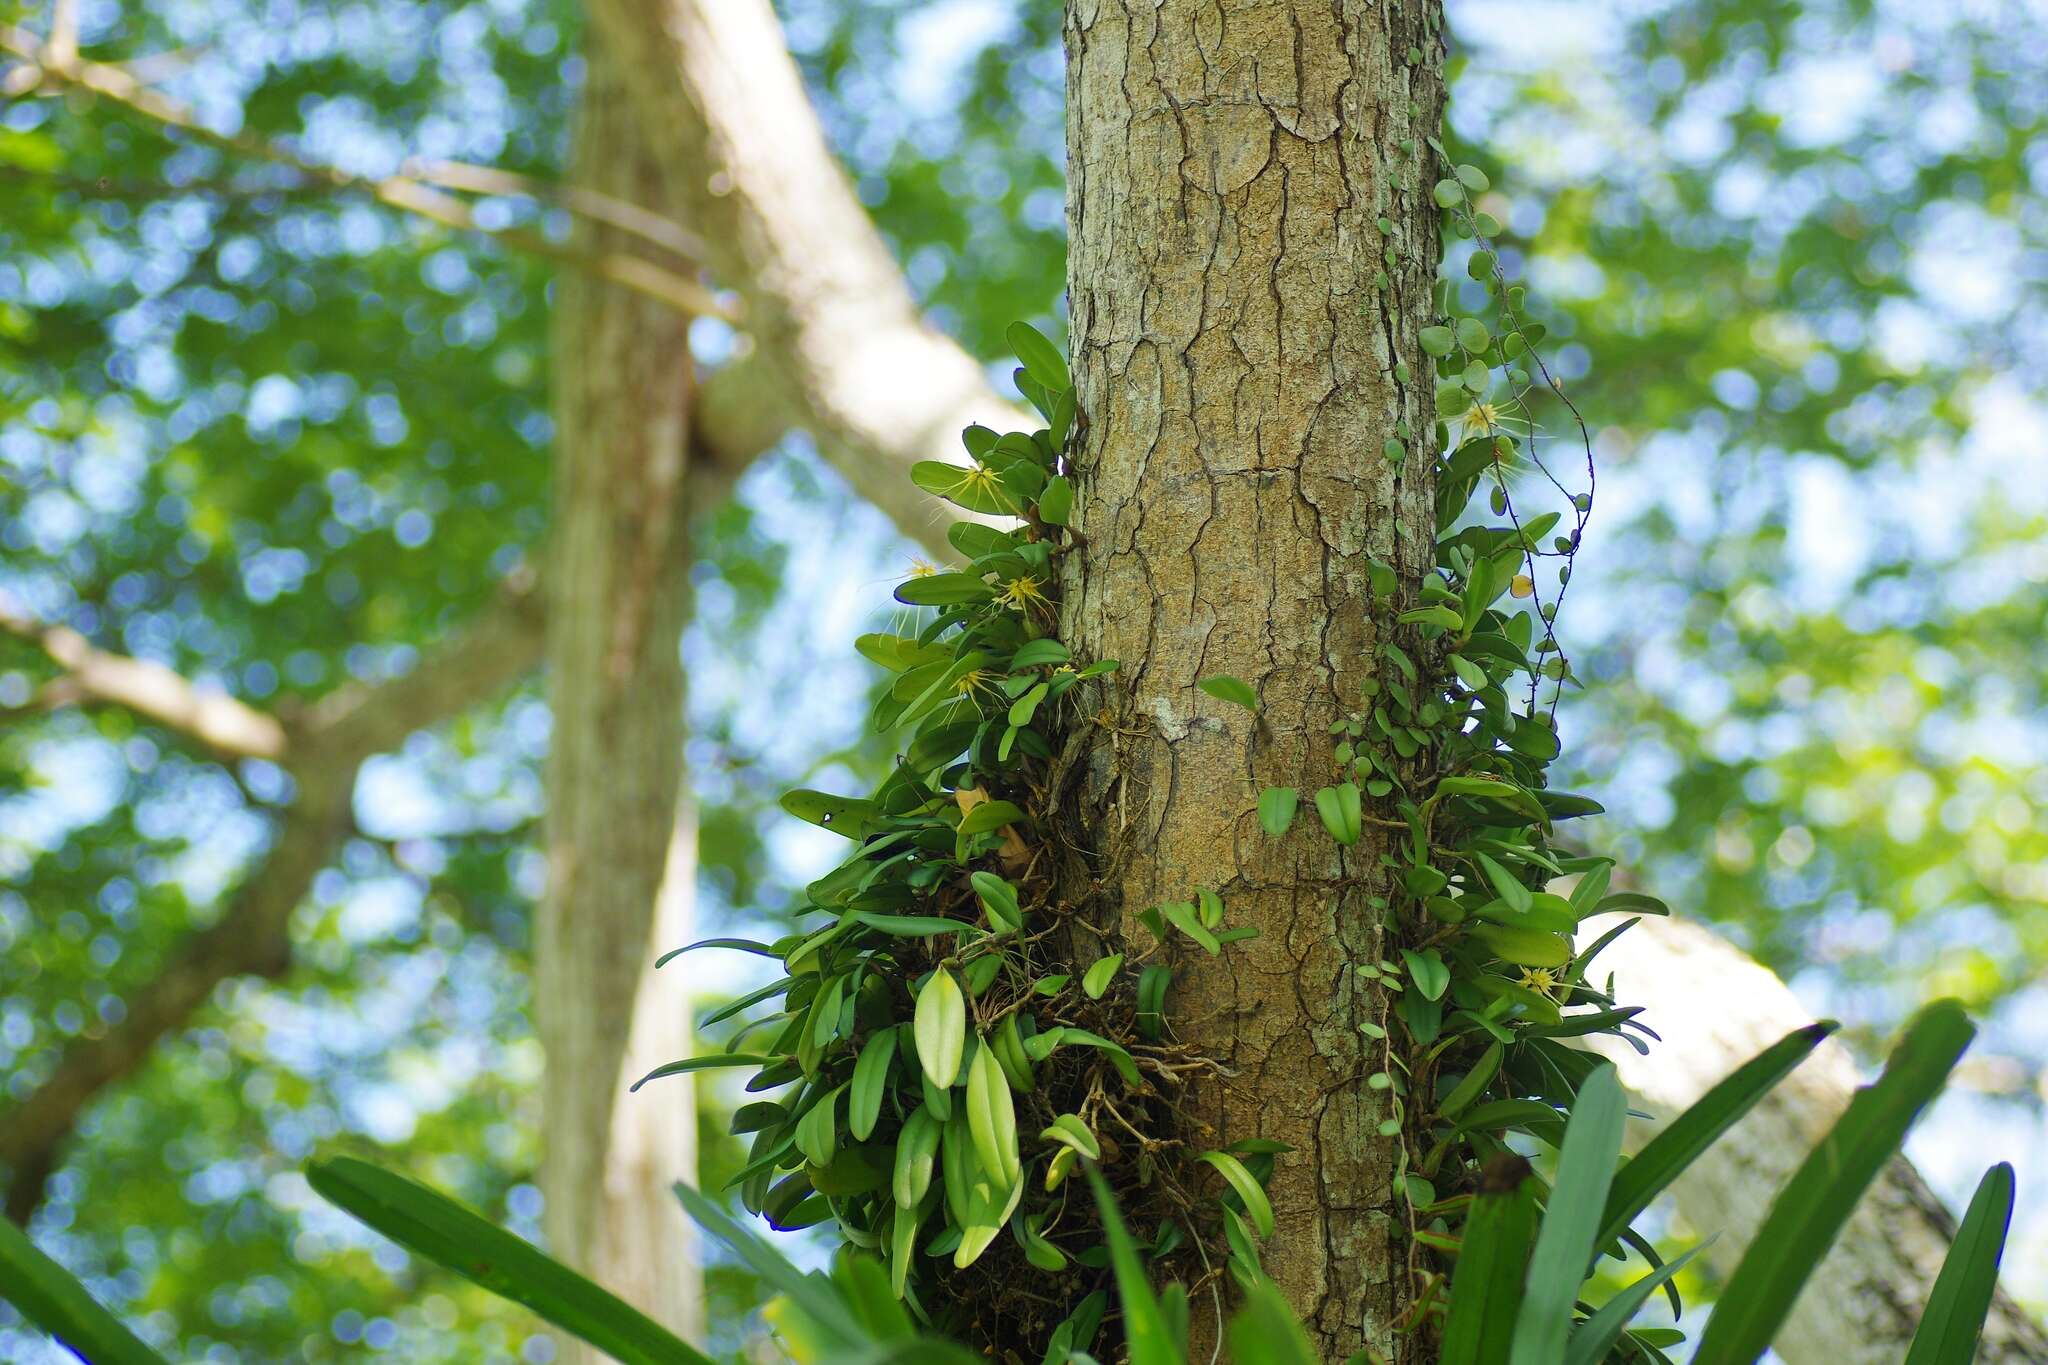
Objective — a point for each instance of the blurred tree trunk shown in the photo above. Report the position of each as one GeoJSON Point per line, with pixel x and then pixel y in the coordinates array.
{"type": "Point", "coordinates": [1234, 364]}
{"type": "Point", "coordinates": [621, 841]}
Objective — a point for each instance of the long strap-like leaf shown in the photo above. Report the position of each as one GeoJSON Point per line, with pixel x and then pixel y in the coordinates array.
{"type": "Point", "coordinates": [1809, 1212]}
{"type": "Point", "coordinates": [1597, 1334]}
{"type": "Point", "coordinates": [1147, 1335]}
{"type": "Point", "coordinates": [428, 1222]}
{"type": "Point", "coordinates": [51, 1297]}
{"type": "Point", "coordinates": [1571, 1217]}
{"type": "Point", "coordinates": [1691, 1133]}
{"type": "Point", "coordinates": [1962, 1292]}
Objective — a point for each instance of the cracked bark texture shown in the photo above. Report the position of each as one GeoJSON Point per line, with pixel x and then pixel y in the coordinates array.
{"type": "Point", "coordinates": [620, 844]}
{"type": "Point", "coordinates": [1228, 166]}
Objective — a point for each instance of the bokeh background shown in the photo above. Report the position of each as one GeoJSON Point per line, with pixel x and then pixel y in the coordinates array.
{"type": "Point", "coordinates": [1793, 258]}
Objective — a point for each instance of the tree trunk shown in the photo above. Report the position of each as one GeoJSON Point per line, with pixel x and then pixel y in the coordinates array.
{"type": "Point", "coordinates": [1234, 364]}
{"type": "Point", "coordinates": [621, 845]}
{"type": "Point", "coordinates": [1716, 1009]}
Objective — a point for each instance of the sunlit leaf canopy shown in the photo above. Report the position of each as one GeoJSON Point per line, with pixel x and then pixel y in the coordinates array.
{"type": "Point", "coordinates": [279, 437]}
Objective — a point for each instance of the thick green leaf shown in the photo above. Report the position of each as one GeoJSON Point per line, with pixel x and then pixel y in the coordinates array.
{"type": "Point", "coordinates": [1247, 1189]}
{"type": "Point", "coordinates": [1341, 815]}
{"type": "Point", "coordinates": [738, 945]}
{"type": "Point", "coordinates": [914, 926]}
{"type": "Point", "coordinates": [989, 815]}
{"type": "Point", "coordinates": [972, 488]}
{"type": "Point", "coordinates": [1571, 1218]}
{"type": "Point", "coordinates": [1181, 915]}
{"type": "Point", "coordinates": [428, 1222]}
{"type": "Point", "coordinates": [1666, 1155]}
{"type": "Point", "coordinates": [939, 1023]}
{"type": "Point", "coordinates": [1056, 503]}
{"type": "Point", "coordinates": [1036, 653]}
{"type": "Point", "coordinates": [1099, 974]}
{"type": "Point", "coordinates": [49, 1296]}
{"type": "Point", "coordinates": [870, 1083]}
{"type": "Point", "coordinates": [1948, 1329]}
{"type": "Point", "coordinates": [1264, 1330]}
{"type": "Point", "coordinates": [1427, 970]}
{"type": "Point", "coordinates": [1223, 687]}
{"type": "Point", "coordinates": [1276, 809]}
{"type": "Point", "coordinates": [847, 815]}
{"type": "Point", "coordinates": [943, 590]}
{"type": "Point", "coordinates": [1039, 357]}
{"type": "Point", "coordinates": [834, 1325]}
{"type": "Point", "coordinates": [1810, 1210]}
{"type": "Point", "coordinates": [1505, 884]}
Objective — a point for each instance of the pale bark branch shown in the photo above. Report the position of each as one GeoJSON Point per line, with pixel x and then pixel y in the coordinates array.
{"type": "Point", "coordinates": [837, 337]}
{"type": "Point", "coordinates": [93, 676]}
{"type": "Point", "coordinates": [410, 193]}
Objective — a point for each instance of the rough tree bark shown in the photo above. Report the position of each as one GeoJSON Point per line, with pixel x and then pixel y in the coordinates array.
{"type": "Point", "coordinates": [1234, 365]}
{"type": "Point", "coordinates": [620, 843]}
{"type": "Point", "coordinates": [1716, 1008]}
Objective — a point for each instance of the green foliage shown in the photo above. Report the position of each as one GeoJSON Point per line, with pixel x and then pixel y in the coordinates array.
{"type": "Point", "coordinates": [1516, 1292]}
{"type": "Point", "coordinates": [435, 1226]}
{"type": "Point", "coordinates": [52, 1298]}
{"type": "Point", "coordinates": [928, 996]}
{"type": "Point", "coordinates": [1948, 1330]}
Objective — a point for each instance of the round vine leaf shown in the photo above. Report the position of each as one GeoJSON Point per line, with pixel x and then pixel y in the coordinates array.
{"type": "Point", "coordinates": [1472, 178]}
{"type": "Point", "coordinates": [1448, 193]}
{"type": "Point", "coordinates": [1437, 341]}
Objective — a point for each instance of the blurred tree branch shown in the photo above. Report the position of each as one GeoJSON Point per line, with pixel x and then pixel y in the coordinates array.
{"type": "Point", "coordinates": [58, 62]}
{"type": "Point", "coordinates": [92, 676]}
{"type": "Point", "coordinates": [323, 751]}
